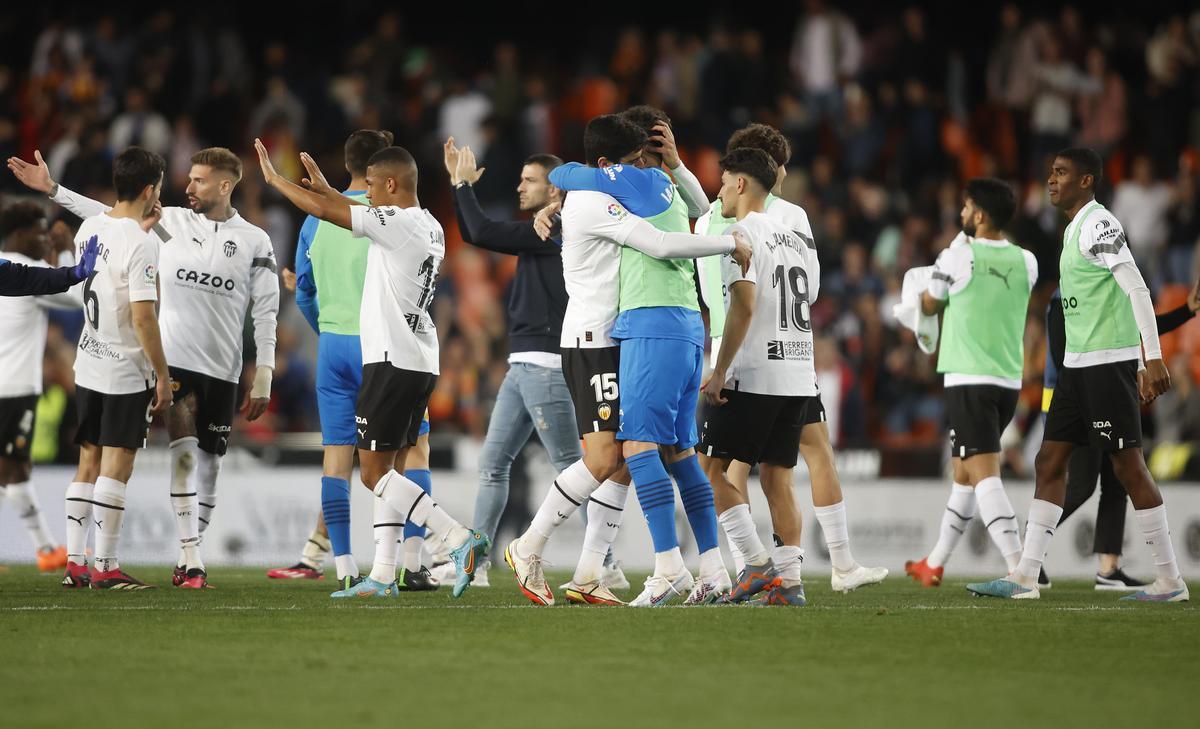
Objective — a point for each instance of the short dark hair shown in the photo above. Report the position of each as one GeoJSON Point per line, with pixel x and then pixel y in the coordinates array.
{"type": "Point", "coordinates": [220, 158]}
{"type": "Point", "coordinates": [395, 157]}
{"type": "Point", "coordinates": [18, 216]}
{"type": "Point", "coordinates": [612, 137]}
{"type": "Point", "coordinates": [764, 137]}
{"type": "Point", "coordinates": [994, 197]}
{"type": "Point", "coordinates": [646, 116]}
{"type": "Point", "coordinates": [546, 161]}
{"type": "Point", "coordinates": [361, 145]}
{"type": "Point", "coordinates": [133, 170]}
{"type": "Point", "coordinates": [1086, 161]}
{"type": "Point", "coordinates": [754, 163]}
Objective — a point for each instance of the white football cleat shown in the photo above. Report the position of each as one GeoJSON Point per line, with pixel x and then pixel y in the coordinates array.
{"type": "Point", "coordinates": [661, 590]}
{"type": "Point", "coordinates": [591, 593]}
{"type": "Point", "coordinates": [709, 590]}
{"type": "Point", "coordinates": [858, 577]}
{"type": "Point", "coordinates": [530, 578]}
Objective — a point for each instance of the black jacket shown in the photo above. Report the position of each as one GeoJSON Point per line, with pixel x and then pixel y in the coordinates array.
{"type": "Point", "coordinates": [20, 280]}
{"type": "Point", "coordinates": [539, 296]}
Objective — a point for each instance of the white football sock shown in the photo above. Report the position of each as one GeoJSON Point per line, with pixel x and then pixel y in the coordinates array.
{"type": "Point", "coordinates": [837, 535]}
{"type": "Point", "coordinates": [184, 501]}
{"type": "Point", "coordinates": [1000, 519]}
{"type": "Point", "coordinates": [788, 561]}
{"type": "Point", "coordinates": [24, 500]}
{"type": "Point", "coordinates": [669, 563]}
{"type": "Point", "coordinates": [412, 553]}
{"type": "Point", "coordinates": [315, 549]}
{"type": "Point", "coordinates": [79, 519]}
{"type": "Point", "coordinates": [572, 487]}
{"type": "Point", "coordinates": [1153, 523]}
{"type": "Point", "coordinates": [1039, 530]}
{"type": "Point", "coordinates": [605, 508]}
{"type": "Point", "coordinates": [204, 483]}
{"type": "Point", "coordinates": [108, 511]}
{"type": "Point", "coordinates": [712, 565]}
{"type": "Point", "coordinates": [743, 536]}
{"type": "Point", "coordinates": [389, 524]}
{"type": "Point", "coordinates": [418, 508]}
{"type": "Point", "coordinates": [960, 509]}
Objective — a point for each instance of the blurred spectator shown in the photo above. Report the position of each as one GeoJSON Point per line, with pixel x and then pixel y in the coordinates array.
{"type": "Point", "coordinates": [1177, 412]}
{"type": "Point", "coordinates": [1141, 204]}
{"type": "Point", "coordinates": [1102, 112]}
{"type": "Point", "coordinates": [1059, 82]}
{"type": "Point", "coordinates": [826, 52]}
{"type": "Point", "coordinates": [139, 125]}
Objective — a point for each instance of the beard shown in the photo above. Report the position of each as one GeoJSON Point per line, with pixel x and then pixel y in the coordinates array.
{"type": "Point", "coordinates": [199, 206]}
{"type": "Point", "coordinates": [969, 228]}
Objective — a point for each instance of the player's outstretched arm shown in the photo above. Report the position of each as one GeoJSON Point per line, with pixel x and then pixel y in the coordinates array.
{"type": "Point", "coordinates": [653, 242]}
{"type": "Point", "coordinates": [737, 324]}
{"type": "Point", "coordinates": [314, 203]}
{"type": "Point", "coordinates": [37, 177]}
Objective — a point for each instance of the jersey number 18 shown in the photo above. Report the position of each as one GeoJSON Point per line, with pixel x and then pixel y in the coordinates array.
{"type": "Point", "coordinates": [797, 312]}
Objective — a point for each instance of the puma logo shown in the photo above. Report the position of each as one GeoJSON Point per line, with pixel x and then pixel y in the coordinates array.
{"type": "Point", "coordinates": [362, 433]}
{"type": "Point", "coordinates": [1003, 277]}
{"type": "Point", "coordinates": [197, 241]}
{"type": "Point", "coordinates": [1106, 434]}
{"type": "Point", "coordinates": [77, 520]}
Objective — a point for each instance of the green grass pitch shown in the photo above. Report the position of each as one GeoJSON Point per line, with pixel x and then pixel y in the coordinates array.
{"type": "Point", "coordinates": [260, 653]}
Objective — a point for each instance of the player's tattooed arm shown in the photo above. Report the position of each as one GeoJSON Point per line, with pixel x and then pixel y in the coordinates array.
{"type": "Point", "coordinates": [336, 211]}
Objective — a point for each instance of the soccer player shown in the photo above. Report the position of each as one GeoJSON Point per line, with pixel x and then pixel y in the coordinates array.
{"type": "Point", "coordinates": [331, 267]}
{"type": "Point", "coordinates": [119, 353]}
{"type": "Point", "coordinates": [987, 279]}
{"type": "Point", "coordinates": [660, 323]}
{"type": "Point", "coordinates": [596, 229]}
{"type": "Point", "coordinates": [26, 241]}
{"type": "Point", "coordinates": [534, 395]}
{"type": "Point", "coordinates": [1109, 322]}
{"type": "Point", "coordinates": [763, 381]}
{"type": "Point", "coordinates": [399, 349]}
{"type": "Point", "coordinates": [218, 265]}
{"type": "Point", "coordinates": [815, 444]}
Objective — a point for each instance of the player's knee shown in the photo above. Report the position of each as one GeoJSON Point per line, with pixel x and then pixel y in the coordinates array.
{"type": "Point", "coordinates": [604, 460]}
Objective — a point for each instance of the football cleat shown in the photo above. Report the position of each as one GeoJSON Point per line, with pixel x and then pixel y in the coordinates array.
{"type": "Point", "coordinates": [76, 576]}
{"type": "Point", "coordinates": [661, 590]}
{"type": "Point", "coordinates": [195, 579]}
{"type": "Point", "coordinates": [752, 580]}
{"type": "Point", "coordinates": [179, 575]}
{"type": "Point", "coordinates": [298, 571]}
{"type": "Point", "coordinates": [529, 575]}
{"type": "Point", "coordinates": [710, 591]}
{"type": "Point", "coordinates": [52, 559]}
{"type": "Point", "coordinates": [591, 593]}
{"type": "Point", "coordinates": [858, 577]}
{"type": "Point", "coordinates": [790, 596]}
{"type": "Point", "coordinates": [466, 557]}
{"type": "Point", "coordinates": [1004, 588]}
{"type": "Point", "coordinates": [446, 572]}
{"type": "Point", "coordinates": [366, 588]}
{"type": "Point", "coordinates": [117, 580]}
{"type": "Point", "coordinates": [923, 573]}
{"type": "Point", "coordinates": [417, 581]}
{"type": "Point", "coordinates": [1118, 581]}
{"type": "Point", "coordinates": [1162, 591]}
{"type": "Point", "coordinates": [613, 577]}
{"type": "Point", "coordinates": [1044, 580]}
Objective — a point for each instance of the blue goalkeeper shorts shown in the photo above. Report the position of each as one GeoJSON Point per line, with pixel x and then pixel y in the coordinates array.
{"type": "Point", "coordinates": [660, 389]}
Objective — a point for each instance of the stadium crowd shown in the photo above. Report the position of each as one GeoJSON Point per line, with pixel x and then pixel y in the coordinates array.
{"type": "Point", "coordinates": [879, 111]}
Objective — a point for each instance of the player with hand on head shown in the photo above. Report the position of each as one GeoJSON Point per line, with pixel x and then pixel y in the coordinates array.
{"type": "Point", "coordinates": [596, 229]}
{"type": "Point", "coordinates": [399, 349]}
{"type": "Point", "coordinates": [120, 369]}
{"type": "Point", "coordinates": [763, 382]}
{"type": "Point", "coordinates": [983, 288]}
{"type": "Point", "coordinates": [1109, 321]}
{"type": "Point", "coordinates": [217, 265]}
{"type": "Point", "coordinates": [25, 240]}
{"type": "Point", "coordinates": [816, 446]}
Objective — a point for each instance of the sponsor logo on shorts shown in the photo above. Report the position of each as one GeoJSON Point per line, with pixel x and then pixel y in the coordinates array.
{"type": "Point", "coordinates": [175, 385]}
{"type": "Point", "coordinates": [1098, 424]}
{"type": "Point", "coordinates": [214, 428]}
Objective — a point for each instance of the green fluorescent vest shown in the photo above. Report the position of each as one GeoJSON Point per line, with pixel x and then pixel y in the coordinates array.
{"type": "Point", "coordinates": [339, 262]}
{"type": "Point", "coordinates": [647, 281]}
{"type": "Point", "coordinates": [984, 326]}
{"type": "Point", "coordinates": [1097, 313]}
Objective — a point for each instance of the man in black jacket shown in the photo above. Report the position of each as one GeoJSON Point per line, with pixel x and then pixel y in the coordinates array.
{"type": "Point", "coordinates": [534, 394]}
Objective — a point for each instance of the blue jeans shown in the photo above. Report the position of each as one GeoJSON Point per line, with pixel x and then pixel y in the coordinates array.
{"type": "Point", "coordinates": [530, 398]}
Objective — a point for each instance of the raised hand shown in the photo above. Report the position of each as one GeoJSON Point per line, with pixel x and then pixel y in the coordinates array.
{"type": "Point", "coordinates": [450, 157]}
{"type": "Point", "coordinates": [466, 170]}
{"type": "Point", "coordinates": [264, 163]}
{"type": "Point", "coordinates": [35, 177]}
{"type": "Point", "coordinates": [87, 259]}
{"type": "Point", "coordinates": [316, 179]}
{"type": "Point", "coordinates": [664, 142]}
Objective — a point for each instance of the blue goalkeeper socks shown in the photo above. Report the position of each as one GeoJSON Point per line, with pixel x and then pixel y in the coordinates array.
{"type": "Point", "coordinates": [335, 505]}
{"type": "Point", "coordinates": [697, 495]}
{"type": "Point", "coordinates": [423, 478]}
{"type": "Point", "coordinates": [654, 492]}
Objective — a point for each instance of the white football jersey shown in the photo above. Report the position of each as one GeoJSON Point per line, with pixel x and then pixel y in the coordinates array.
{"type": "Point", "coordinates": [109, 358]}
{"type": "Point", "coordinates": [776, 357]}
{"type": "Point", "coordinates": [594, 227]}
{"type": "Point", "coordinates": [211, 272]}
{"type": "Point", "coordinates": [23, 323]}
{"type": "Point", "coordinates": [407, 248]}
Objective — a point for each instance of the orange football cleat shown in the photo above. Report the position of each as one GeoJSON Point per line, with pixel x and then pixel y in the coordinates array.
{"type": "Point", "coordinates": [52, 560]}
{"type": "Point", "coordinates": [923, 573]}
